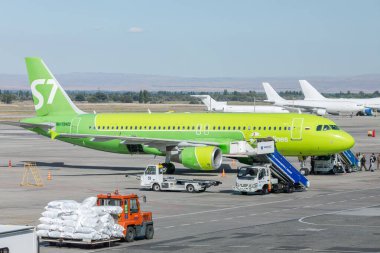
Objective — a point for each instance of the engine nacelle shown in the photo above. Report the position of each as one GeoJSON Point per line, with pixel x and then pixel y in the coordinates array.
{"type": "Point", "coordinates": [320, 112]}
{"type": "Point", "coordinates": [368, 111]}
{"type": "Point", "coordinates": [200, 158]}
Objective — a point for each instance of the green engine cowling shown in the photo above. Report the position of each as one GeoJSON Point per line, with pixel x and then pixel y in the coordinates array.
{"type": "Point", "coordinates": [201, 158]}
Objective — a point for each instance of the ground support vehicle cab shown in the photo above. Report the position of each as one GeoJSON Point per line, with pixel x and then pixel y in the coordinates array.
{"type": "Point", "coordinates": [260, 179]}
{"type": "Point", "coordinates": [135, 222]}
{"type": "Point", "coordinates": [328, 164]}
{"type": "Point", "coordinates": [153, 178]}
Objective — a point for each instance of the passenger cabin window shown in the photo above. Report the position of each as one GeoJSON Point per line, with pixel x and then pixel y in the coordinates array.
{"type": "Point", "coordinates": [279, 128]}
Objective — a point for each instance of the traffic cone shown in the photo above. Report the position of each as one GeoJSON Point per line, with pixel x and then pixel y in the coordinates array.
{"type": "Point", "coordinates": [223, 173]}
{"type": "Point", "coordinates": [9, 164]}
{"type": "Point", "coordinates": [49, 175]}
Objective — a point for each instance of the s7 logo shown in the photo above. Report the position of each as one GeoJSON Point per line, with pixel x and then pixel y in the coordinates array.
{"type": "Point", "coordinates": [39, 96]}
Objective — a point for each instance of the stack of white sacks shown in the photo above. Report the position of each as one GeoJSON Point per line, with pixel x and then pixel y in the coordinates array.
{"type": "Point", "coordinates": [72, 220]}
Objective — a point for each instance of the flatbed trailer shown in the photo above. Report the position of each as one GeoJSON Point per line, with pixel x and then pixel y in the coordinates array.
{"type": "Point", "coordinates": [78, 242]}
{"type": "Point", "coordinates": [154, 179]}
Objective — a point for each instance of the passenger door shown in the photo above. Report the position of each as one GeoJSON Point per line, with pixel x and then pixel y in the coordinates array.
{"type": "Point", "coordinates": [75, 125]}
{"type": "Point", "coordinates": [296, 131]}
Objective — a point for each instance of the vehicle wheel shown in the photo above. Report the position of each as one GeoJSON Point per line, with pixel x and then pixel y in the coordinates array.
{"type": "Point", "coordinates": [304, 171]}
{"type": "Point", "coordinates": [334, 170]}
{"type": "Point", "coordinates": [265, 190]}
{"type": "Point", "coordinates": [149, 232]}
{"type": "Point", "coordinates": [190, 188]}
{"type": "Point", "coordinates": [131, 234]}
{"type": "Point", "coordinates": [156, 187]}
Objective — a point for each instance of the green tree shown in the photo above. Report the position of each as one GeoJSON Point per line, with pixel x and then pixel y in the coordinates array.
{"type": "Point", "coordinates": [80, 97]}
{"type": "Point", "coordinates": [146, 96]}
{"type": "Point", "coordinates": [141, 97]}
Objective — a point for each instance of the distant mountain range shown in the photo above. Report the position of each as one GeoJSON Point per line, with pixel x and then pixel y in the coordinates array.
{"type": "Point", "coordinates": [135, 82]}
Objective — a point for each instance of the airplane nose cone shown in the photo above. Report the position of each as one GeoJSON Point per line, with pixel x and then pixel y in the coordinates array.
{"type": "Point", "coordinates": [347, 141]}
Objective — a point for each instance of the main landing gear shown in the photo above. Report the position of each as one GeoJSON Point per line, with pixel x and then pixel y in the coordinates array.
{"type": "Point", "coordinates": [304, 170]}
{"type": "Point", "coordinates": [168, 168]}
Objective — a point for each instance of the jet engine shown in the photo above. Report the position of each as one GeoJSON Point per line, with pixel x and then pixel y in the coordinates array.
{"type": "Point", "coordinates": [320, 112]}
{"type": "Point", "coordinates": [365, 112]}
{"type": "Point", "coordinates": [200, 158]}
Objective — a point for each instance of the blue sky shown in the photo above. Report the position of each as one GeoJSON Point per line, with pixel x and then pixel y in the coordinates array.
{"type": "Point", "coordinates": [197, 38]}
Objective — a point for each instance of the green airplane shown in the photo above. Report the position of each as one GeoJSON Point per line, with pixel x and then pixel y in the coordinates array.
{"type": "Point", "coordinates": [196, 140]}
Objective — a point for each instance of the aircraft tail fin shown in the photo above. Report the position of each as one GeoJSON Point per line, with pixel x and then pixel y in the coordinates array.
{"type": "Point", "coordinates": [212, 105]}
{"type": "Point", "coordinates": [309, 91]}
{"type": "Point", "coordinates": [272, 95]}
{"type": "Point", "coordinates": [48, 95]}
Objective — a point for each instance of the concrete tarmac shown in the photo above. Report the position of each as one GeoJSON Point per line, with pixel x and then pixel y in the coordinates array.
{"type": "Point", "coordinates": [339, 213]}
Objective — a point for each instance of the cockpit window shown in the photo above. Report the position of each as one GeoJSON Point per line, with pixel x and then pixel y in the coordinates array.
{"type": "Point", "coordinates": [334, 127]}
{"type": "Point", "coordinates": [319, 127]}
{"type": "Point", "coordinates": [326, 128]}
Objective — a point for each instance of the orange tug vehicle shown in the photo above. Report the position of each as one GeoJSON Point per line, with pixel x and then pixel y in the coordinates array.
{"type": "Point", "coordinates": [137, 224]}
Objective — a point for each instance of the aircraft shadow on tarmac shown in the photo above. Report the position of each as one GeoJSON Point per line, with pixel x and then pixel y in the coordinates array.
{"type": "Point", "coordinates": [124, 170]}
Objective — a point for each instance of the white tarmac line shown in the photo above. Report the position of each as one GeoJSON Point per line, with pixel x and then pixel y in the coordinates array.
{"type": "Point", "coordinates": [302, 220]}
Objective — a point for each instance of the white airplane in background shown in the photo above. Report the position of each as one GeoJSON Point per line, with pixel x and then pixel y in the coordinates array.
{"type": "Point", "coordinates": [319, 107]}
{"type": "Point", "coordinates": [216, 106]}
{"type": "Point", "coordinates": [369, 104]}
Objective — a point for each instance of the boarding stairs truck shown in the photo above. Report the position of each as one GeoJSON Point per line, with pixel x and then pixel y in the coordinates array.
{"type": "Point", "coordinates": [153, 178]}
{"type": "Point", "coordinates": [349, 160]}
{"type": "Point", "coordinates": [273, 174]}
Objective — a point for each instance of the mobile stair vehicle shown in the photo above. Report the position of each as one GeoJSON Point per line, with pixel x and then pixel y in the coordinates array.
{"type": "Point", "coordinates": [136, 223]}
{"type": "Point", "coordinates": [153, 178]}
{"type": "Point", "coordinates": [349, 160]}
{"type": "Point", "coordinates": [273, 174]}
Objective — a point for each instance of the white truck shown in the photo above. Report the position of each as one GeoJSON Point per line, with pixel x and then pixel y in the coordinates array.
{"type": "Point", "coordinates": [153, 178]}
{"type": "Point", "coordinates": [258, 179]}
{"type": "Point", "coordinates": [328, 164]}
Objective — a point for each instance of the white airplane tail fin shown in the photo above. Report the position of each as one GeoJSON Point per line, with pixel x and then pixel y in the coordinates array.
{"type": "Point", "coordinates": [310, 92]}
{"type": "Point", "coordinates": [211, 104]}
{"type": "Point", "coordinates": [272, 95]}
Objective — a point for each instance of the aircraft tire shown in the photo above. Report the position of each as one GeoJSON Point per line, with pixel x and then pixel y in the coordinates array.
{"type": "Point", "coordinates": [305, 171]}
{"type": "Point", "coordinates": [168, 168]}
